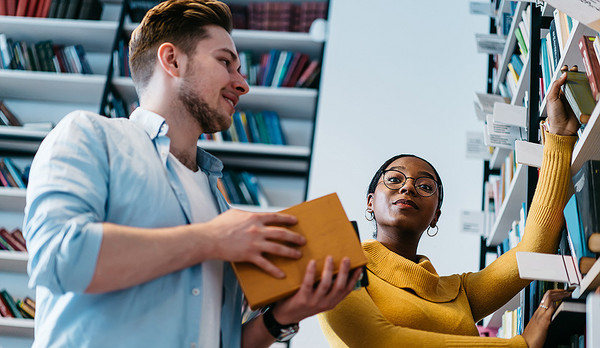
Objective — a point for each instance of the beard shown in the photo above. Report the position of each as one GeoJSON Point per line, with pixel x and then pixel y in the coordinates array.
{"type": "Point", "coordinates": [209, 119]}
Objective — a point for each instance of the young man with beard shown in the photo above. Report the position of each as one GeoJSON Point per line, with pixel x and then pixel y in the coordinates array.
{"type": "Point", "coordinates": [128, 235]}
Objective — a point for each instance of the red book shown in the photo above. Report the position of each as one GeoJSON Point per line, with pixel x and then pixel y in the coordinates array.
{"type": "Point", "coordinates": [19, 236]}
{"type": "Point", "coordinates": [11, 7]}
{"type": "Point", "coordinates": [11, 240]}
{"type": "Point", "coordinates": [44, 9]}
{"type": "Point", "coordinates": [307, 72]}
{"type": "Point", "coordinates": [22, 8]}
{"type": "Point", "coordinates": [591, 63]}
{"type": "Point", "coordinates": [32, 7]}
{"type": "Point", "coordinates": [297, 71]}
{"type": "Point", "coordinates": [3, 11]}
{"type": "Point", "coordinates": [4, 311]}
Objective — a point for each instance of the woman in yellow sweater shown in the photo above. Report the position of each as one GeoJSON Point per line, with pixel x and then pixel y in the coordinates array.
{"type": "Point", "coordinates": [407, 304]}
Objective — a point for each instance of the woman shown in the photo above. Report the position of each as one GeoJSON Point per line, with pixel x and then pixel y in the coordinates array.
{"type": "Point", "coordinates": [407, 304]}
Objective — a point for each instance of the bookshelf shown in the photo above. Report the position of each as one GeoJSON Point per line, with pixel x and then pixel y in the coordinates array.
{"type": "Point", "coordinates": [570, 319]}
{"type": "Point", "coordinates": [44, 97]}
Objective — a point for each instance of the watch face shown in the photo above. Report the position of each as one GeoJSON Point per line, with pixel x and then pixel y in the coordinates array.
{"type": "Point", "coordinates": [287, 333]}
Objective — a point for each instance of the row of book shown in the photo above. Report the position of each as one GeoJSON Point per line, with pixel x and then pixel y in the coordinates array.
{"type": "Point", "coordinates": [278, 68]}
{"type": "Point", "coordinates": [496, 190]}
{"type": "Point", "coordinates": [43, 56]}
{"type": "Point", "coordinates": [11, 175]}
{"type": "Point", "coordinates": [13, 240]}
{"type": "Point", "coordinates": [278, 16]}
{"type": "Point", "coordinates": [262, 127]}
{"type": "Point", "coordinates": [12, 307]}
{"type": "Point", "coordinates": [241, 187]}
{"type": "Point", "coordinates": [68, 9]}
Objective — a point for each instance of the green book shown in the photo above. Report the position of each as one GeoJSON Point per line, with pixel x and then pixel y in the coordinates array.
{"type": "Point", "coordinates": [10, 303]}
{"type": "Point", "coordinates": [521, 41]}
{"type": "Point", "coordinates": [579, 94]}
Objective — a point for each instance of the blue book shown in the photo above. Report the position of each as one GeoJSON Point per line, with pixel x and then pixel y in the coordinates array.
{"type": "Point", "coordinates": [517, 63]}
{"type": "Point", "coordinates": [15, 172]}
{"type": "Point", "coordinates": [270, 68]}
{"type": "Point", "coordinates": [253, 128]}
{"type": "Point", "coordinates": [239, 127]}
{"type": "Point", "coordinates": [274, 128]}
{"type": "Point", "coordinates": [582, 255]}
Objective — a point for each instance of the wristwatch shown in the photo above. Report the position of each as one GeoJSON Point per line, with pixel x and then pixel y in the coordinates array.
{"type": "Point", "coordinates": [281, 333]}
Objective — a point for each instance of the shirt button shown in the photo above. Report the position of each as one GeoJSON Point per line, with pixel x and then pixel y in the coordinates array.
{"type": "Point", "coordinates": [195, 292]}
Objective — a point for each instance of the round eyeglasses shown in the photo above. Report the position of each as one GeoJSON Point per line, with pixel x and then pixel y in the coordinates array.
{"type": "Point", "coordinates": [395, 180]}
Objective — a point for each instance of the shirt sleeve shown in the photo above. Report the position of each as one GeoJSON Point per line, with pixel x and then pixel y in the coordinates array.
{"type": "Point", "coordinates": [496, 284]}
{"type": "Point", "coordinates": [357, 322]}
{"type": "Point", "coordinates": [66, 199]}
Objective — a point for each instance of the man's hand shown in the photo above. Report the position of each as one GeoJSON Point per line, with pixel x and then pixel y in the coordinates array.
{"type": "Point", "coordinates": [537, 329]}
{"type": "Point", "coordinates": [561, 119]}
{"type": "Point", "coordinates": [312, 299]}
{"type": "Point", "coordinates": [240, 236]}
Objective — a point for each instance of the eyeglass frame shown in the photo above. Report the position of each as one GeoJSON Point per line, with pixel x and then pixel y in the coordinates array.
{"type": "Point", "coordinates": [437, 184]}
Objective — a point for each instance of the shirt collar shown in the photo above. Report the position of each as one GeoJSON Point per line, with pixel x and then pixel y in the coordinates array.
{"type": "Point", "coordinates": [156, 126]}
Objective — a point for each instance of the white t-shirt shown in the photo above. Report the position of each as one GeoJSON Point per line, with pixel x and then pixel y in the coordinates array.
{"type": "Point", "coordinates": [204, 208]}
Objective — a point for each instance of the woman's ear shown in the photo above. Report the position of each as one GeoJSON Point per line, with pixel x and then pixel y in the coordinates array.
{"type": "Point", "coordinates": [435, 218]}
{"type": "Point", "coordinates": [170, 59]}
{"type": "Point", "coordinates": [370, 202]}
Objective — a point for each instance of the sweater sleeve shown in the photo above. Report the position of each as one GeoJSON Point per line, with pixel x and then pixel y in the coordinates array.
{"type": "Point", "coordinates": [358, 322]}
{"type": "Point", "coordinates": [496, 284]}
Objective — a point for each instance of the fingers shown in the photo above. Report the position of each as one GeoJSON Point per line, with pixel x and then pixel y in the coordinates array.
{"type": "Point", "coordinates": [281, 234]}
{"type": "Point", "coordinates": [551, 300]}
{"type": "Point", "coordinates": [277, 219]}
{"type": "Point", "coordinates": [268, 267]}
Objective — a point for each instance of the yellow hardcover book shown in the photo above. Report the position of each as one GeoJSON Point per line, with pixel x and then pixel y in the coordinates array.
{"type": "Point", "coordinates": [513, 73]}
{"type": "Point", "coordinates": [328, 232]}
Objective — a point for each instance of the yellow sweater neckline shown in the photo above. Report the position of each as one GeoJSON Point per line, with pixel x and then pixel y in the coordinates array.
{"type": "Point", "coordinates": [420, 277]}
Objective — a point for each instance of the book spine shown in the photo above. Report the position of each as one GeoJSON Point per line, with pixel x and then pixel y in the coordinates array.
{"type": "Point", "coordinates": [591, 63]}
{"type": "Point", "coordinates": [10, 303]}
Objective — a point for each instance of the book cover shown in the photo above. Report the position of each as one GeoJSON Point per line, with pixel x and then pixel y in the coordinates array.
{"type": "Point", "coordinates": [10, 239]}
{"type": "Point", "coordinates": [3, 8]}
{"type": "Point", "coordinates": [296, 71]}
{"type": "Point", "coordinates": [262, 128]}
{"type": "Point", "coordinates": [240, 131]}
{"type": "Point", "coordinates": [25, 310]}
{"type": "Point", "coordinates": [22, 8]}
{"type": "Point", "coordinates": [6, 174]}
{"type": "Point", "coordinates": [328, 231]}
{"type": "Point", "coordinates": [581, 254]}
{"type": "Point", "coordinates": [312, 66]}
{"type": "Point", "coordinates": [591, 63]}
{"type": "Point", "coordinates": [15, 172]}
{"type": "Point", "coordinates": [521, 41]}
{"type": "Point", "coordinates": [32, 7]}
{"type": "Point", "coordinates": [4, 245]}
{"type": "Point", "coordinates": [587, 192]}
{"type": "Point", "coordinates": [579, 95]}
{"type": "Point", "coordinates": [10, 303]}
{"type": "Point", "coordinates": [18, 235]}
{"type": "Point", "coordinates": [72, 10]}
{"type": "Point", "coordinates": [554, 44]}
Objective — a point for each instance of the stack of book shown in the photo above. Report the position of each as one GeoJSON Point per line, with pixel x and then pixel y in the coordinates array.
{"type": "Point", "coordinates": [7, 117]}
{"type": "Point", "coordinates": [69, 9]}
{"type": "Point", "coordinates": [241, 187]}
{"type": "Point", "coordinates": [43, 56]}
{"type": "Point", "coordinates": [12, 241]}
{"type": "Point", "coordinates": [16, 308]}
{"type": "Point", "coordinates": [252, 127]}
{"type": "Point", "coordinates": [11, 175]}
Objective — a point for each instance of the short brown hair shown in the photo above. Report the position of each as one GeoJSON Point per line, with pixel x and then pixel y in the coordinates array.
{"type": "Point", "coordinates": [180, 22]}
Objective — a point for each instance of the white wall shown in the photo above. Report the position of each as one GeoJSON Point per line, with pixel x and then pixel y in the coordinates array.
{"type": "Point", "coordinates": [399, 77]}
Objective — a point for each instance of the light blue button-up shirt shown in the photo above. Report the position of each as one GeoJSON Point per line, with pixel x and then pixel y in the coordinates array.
{"type": "Point", "coordinates": [89, 170]}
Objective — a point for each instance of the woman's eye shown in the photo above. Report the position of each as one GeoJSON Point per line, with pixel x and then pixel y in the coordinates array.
{"type": "Point", "coordinates": [225, 61]}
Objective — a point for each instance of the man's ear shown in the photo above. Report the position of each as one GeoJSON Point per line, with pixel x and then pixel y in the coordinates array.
{"type": "Point", "coordinates": [170, 59]}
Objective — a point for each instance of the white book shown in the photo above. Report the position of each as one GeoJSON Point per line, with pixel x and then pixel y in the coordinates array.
{"type": "Point", "coordinates": [529, 154]}
{"type": "Point", "coordinates": [500, 135]}
{"type": "Point", "coordinates": [484, 103]}
{"type": "Point", "coordinates": [549, 267]}
{"type": "Point", "coordinates": [509, 114]}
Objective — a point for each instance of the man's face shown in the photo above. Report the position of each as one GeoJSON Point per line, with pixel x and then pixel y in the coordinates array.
{"type": "Point", "coordinates": [212, 84]}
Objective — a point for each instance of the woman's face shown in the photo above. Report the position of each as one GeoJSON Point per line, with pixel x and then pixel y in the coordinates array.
{"type": "Point", "coordinates": [404, 207]}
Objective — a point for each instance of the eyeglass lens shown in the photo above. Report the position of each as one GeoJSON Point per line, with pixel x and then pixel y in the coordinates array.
{"type": "Point", "coordinates": [395, 180]}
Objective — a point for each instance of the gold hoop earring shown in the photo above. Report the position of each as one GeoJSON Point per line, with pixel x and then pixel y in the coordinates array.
{"type": "Point", "coordinates": [369, 215]}
{"type": "Point", "coordinates": [437, 229]}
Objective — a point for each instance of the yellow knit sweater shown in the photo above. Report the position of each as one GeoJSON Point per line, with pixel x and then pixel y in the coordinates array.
{"type": "Point", "coordinates": [408, 304]}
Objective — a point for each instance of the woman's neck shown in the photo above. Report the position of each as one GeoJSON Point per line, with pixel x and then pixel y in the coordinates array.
{"type": "Point", "coordinates": [403, 244]}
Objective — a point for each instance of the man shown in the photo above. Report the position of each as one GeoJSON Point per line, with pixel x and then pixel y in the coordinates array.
{"type": "Point", "coordinates": [128, 234]}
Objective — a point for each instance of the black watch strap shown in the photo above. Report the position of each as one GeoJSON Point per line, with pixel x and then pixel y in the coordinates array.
{"type": "Point", "coordinates": [278, 331]}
